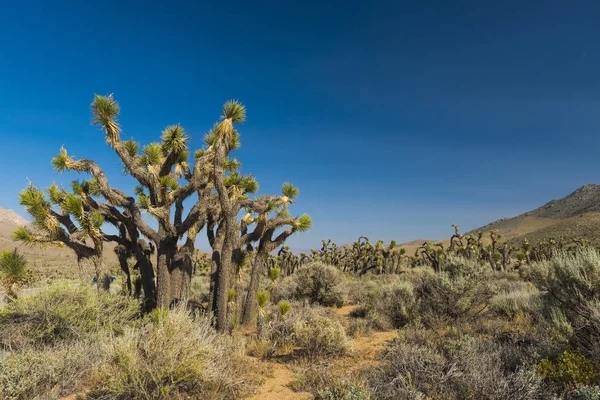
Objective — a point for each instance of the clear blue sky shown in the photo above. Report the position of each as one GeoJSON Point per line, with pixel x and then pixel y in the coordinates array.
{"type": "Point", "coordinates": [395, 119]}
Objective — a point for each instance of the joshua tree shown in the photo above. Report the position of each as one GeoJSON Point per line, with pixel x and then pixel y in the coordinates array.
{"type": "Point", "coordinates": [165, 180]}
{"type": "Point", "coordinates": [267, 244]}
{"type": "Point", "coordinates": [262, 298]}
{"type": "Point", "coordinates": [54, 219]}
{"type": "Point", "coordinates": [158, 169]}
{"type": "Point", "coordinates": [12, 271]}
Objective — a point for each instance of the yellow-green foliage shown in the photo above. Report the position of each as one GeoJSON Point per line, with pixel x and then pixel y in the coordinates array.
{"type": "Point", "coordinates": [67, 311]}
{"type": "Point", "coordinates": [284, 307]}
{"type": "Point", "coordinates": [320, 336]}
{"type": "Point", "coordinates": [571, 367]}
{"type": "Point", "coordinates": [172, 357]}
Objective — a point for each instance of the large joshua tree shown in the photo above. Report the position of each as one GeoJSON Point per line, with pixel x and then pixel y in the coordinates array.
{"type": "Point", "coordinates": [165, 180]}
{"type": "Point", "coordinates": [158, 169]}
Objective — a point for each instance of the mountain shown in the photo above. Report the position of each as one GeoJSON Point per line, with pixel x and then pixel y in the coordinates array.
{"type": "Point", "coordinates": [573, 216]}
{"type": "Point", "coordinates": [49, 261]}
{"type": "Point", "coordinates": [10, 217]}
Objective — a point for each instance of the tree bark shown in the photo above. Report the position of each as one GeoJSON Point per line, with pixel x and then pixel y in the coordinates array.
{"type": "Point", "coordinates": [251, 304]}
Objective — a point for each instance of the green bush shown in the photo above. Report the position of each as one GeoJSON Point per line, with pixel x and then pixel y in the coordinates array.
{"type": "Point", "coordinates": [320, 283]}
{"type": "Point", "coordinates": [571, 367]}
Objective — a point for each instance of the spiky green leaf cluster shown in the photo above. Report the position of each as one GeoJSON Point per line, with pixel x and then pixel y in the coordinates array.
{"type": "Point", "coordinates": [289, 190]}
{"type": "Point", "coordinates": [174, 139]}
{"type": "Point", "coordinates": [38, 207]}
{"type": "Point", "coordinates": [303, 223]}
{"type": "Point", "coordinates": [152, 155]}
{"type": "Point", "coordinates": [22, 234]}
{"type": "Point", "coordinates": [132, 147]}
{"type": "Point", "coordinates": [56, 195]}
{"type": "Point", "coordinates": [168, 182]}
{"type": "Point", "coordinates": [143, 202]}
{"type": "Point", "coordinates": [232, 165]}
{"type": "Point", "coordinates": [104, 109]}
{"type": "Point", "coordinates": [283, 212]}
{"type": "Point", "coordinates": [262, 297]}
{"type": "Point", "coordinates": [60, 161]}
{"type": "Point", "coordinates": [235, 111]}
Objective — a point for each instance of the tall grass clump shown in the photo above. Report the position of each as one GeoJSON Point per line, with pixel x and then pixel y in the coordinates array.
{"type": "Point", "coordinates": [173, 356]}
{"type": "Point", "coordinates": [64, 311]}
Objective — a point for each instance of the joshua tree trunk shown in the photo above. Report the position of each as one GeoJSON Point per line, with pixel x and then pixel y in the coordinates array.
{"type": "Point", "coordinates": [250, 304]}
{"type": "Point", "coordinates": [163, 276]}
{"type": "Point", "coordinates": [102, 275]}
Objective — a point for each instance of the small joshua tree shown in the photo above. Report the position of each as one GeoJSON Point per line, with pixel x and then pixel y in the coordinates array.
{"type": "Point", "coordinates": [12, 269]}
{"type": "Point", "coordinates": [284, 307]}
{"type": "Point", "coordinates": [262, 297]}
{"type": "Point", "coordinates": [231, 309]}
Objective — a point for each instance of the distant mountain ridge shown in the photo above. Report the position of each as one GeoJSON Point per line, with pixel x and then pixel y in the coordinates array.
{"type": "Point", "coordinates": [576, 215]}
{"type": "Point", "coordinates": [11, 217]}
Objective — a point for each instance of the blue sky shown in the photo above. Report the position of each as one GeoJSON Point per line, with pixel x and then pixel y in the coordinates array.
{"type": "Point", "coordinates": [395, 119]}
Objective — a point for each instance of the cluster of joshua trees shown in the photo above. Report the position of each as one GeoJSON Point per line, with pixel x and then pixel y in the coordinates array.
{"type": "Point", "coordinates": [209, 183]}
{"type": "Point", "coordinates": [362, 257]}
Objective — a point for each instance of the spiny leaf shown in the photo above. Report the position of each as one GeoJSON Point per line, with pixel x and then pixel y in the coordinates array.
{"type": "Point", "coordinates": [235, 111]}
{"type": "Point", "coordinates": [152, 154]}
{"type": "Point", "coordinates": [283, 212]}
{"type": "Point", "coordinates": [262, 298]}
{"type": "Point", "coordinates": [61, 161]}
{"type": "Point", "coordinates": [168, 182]}
{"type": "Point", "coordinates": [104, 109]}
{"type": "Point", "coordinates": [174, 139]}
{"type": "Point", "coordinates": [132, 147]}
{"type": "Point", "coordinates": [289, 190]}
{"type": "Point", "coordinates": [303, 223]}
{"type": "Point", "coordinates": [22, 234]}
{"type": "Point", "coordinates": [55, 194]}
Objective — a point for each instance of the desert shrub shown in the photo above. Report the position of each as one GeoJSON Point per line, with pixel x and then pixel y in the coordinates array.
{"type": "Point", "coordinates": [199, 288]}
{"type": "Point", "coordinates": [65, 311]}
{"type": "Point", "coordinates": [521, 299]}
{"type": "Point", "coordinates": [359, 327]}
{"type": "Point", "coordinates": [460, 291]}
{"type": "Point", "coordinates": [310, 331]}
{"type": "Point", "coordinates": [320, 336]}
{"type": "Point", "coordinates": [389, 304]}
{"type": "Point", "coordinates": [47, 373]}
{"type": "Point", "coordinates": [398, 303]}
{"type": "Point", "coordinates": [572, 294]}
{"type": "Point", "coordinates": [571, 367]}
{"type": "Point", "coordinates": [466, 369]}
{"type": "Point", "coordinates": [320, 283]}
{"type": "Point", "coordinates": [326, 382]}
{"type": "Point", "coordinates": [343, 391]}
{"type": "Point", "coordinates": [172, 356]}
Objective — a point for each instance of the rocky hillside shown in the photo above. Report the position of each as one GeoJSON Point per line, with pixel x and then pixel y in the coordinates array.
{"type": "Point", "coordinates": [575, 215]}
{"type": "Point", "coordinates": [11, 217]}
